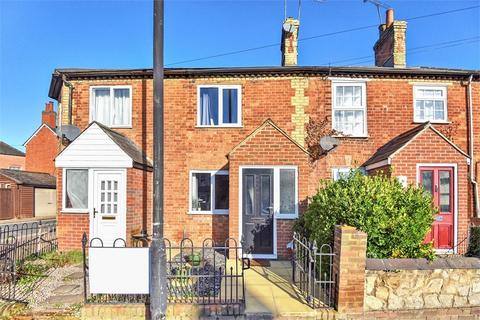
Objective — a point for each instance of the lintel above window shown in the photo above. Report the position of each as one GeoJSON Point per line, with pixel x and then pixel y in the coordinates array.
{"type": "Point", "coordinates": [430, 103]}
{"type": "Point", "coordinates": [349, 108]}
{"type": "Point", "coordinates": [219, 106]}
{"type": "Point", "coordinates": [111, 105]}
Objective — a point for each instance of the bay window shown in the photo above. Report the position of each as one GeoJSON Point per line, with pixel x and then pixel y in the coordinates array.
{"type": "Point", "coordinates": [219, 105]}
{"type": "Point", "coordinates": [209, 192]}
{"type": "Point", "coordinates": [111, 106]}
{"type": "Point", "coordinates": [349, 108]}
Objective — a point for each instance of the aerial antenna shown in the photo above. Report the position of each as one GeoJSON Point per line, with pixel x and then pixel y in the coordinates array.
{"type": "Point", "coordinates": [299, 8]}
{"type": "Point", "coordinates": [378, 4]}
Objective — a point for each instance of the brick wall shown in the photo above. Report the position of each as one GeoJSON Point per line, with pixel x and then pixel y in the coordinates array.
{"type": "Point", "coordinates": [70, 226]}
{"type": "Point", "coordinates": [8, 161]}
{"type": "Point", "coordinates": [139, 201]}
{"type": "Point", "coordinates": [389, 113]}
{"type": "Point", "coordinates": [41, 151]}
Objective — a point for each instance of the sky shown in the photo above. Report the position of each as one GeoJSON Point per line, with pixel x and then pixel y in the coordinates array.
{"type": "Point", "coordinates": [38, 36]}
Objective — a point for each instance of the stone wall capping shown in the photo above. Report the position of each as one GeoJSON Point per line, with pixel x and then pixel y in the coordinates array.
{"type": "Point", "coordinates": [454, 262]}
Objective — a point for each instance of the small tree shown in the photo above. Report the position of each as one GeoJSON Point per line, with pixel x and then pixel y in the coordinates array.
{"type": "Point", "coordinates": [396, 218]}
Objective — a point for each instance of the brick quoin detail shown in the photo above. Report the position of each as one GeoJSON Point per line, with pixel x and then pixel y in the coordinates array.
{"type": "Point", "coordinates": [350, 247]}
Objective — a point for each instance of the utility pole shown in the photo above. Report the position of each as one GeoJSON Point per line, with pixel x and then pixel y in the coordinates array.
{"type": "Point", "coordinates": [158, 276]}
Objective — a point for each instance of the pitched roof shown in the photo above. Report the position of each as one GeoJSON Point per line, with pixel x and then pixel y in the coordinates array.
{"type": "Point", "coordinates": [38, 130]}
{"type": "Point", "coordinates": [9, 150]}
{"type": "Point", "coordinates": [260, 128]}
{"type": "Point", "coordinates": [56, 82]}
{"type": "Point", "coordinates": [127, 145]}
{"type": "Point", "coordinates": [389, 149]}
{"type": "Point", "coordinates": [36, 179]}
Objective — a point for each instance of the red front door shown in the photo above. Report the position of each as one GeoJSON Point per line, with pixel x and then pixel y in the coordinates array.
{"type": "Point", "coordinates": [439, 181]}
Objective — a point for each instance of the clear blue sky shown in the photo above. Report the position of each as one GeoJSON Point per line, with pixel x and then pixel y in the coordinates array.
{"type": "Point", "coordinates": [38, 36]}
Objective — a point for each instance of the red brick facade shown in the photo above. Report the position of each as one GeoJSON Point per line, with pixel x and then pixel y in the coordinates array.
{"type": "Point", "coordinates": [41, 150]}
{"type": "Point", "coordinates": [188, 147]}
{"type": "Point", "coordinates": [12, 162]}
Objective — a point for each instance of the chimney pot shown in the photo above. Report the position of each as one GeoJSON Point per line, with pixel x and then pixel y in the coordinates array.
{"type": "Point", "coordinates": [389, 18]}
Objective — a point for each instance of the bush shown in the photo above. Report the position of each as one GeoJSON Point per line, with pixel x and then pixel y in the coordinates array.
{"type": "Point", "coordinates": [396, 218]}
{"type": "Point", "coordinates": [474, 242]}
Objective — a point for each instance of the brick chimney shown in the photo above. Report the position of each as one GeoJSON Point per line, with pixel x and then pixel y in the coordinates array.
{"type": "Point", "coordinates": [49, 116]}
{"type": "Point", "coordinates": [290, 42]}
{"type": "Point", "coordinates": [390, 48]}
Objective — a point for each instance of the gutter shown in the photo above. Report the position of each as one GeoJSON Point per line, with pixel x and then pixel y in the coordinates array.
{"type": "Point", "coordinates": [70, 93]}
{"type": "Point", "coordinates": [471, 147]}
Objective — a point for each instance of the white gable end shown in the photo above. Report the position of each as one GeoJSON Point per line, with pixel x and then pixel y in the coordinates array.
{"type": "Point", "coordinates": [93, 149]}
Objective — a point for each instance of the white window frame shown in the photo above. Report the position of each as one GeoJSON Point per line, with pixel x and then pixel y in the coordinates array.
{"type": "Point", "coordinates": [212, 210]}
{"type": "Point", "coordinates": [220, 106]}
{"type": "Point", "coordinates": [339, 170]}
{"type": "Point", "coordinates": [91, 109]}
{"type": "Point", "coordinates": [348, 82]}
{"type": "Point", "coordinates": [276, 193]}
{"type": "Point", "coordinates": [445, 102]}
{"type": "Point", "coordinates": [64, 192]}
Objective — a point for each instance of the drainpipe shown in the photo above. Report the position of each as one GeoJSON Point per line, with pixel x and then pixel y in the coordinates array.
{"type": "Point", "coordinates": [70, 91]}
{"type": "Point", "coordinates": [471, 146]}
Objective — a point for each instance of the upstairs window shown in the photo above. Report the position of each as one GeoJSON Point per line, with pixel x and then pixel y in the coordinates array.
{"type": "Point", "coordinates": [111, 106]}
{"type": "Point", "coordinates": [219, 106]}
{"type": "Point", "coordinates": [349, 108]}
{"type": "Point", "coordinates": [430, 104]}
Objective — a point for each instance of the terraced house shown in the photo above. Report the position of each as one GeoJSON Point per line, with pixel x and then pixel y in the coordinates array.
{"type": "Point", "coordinates": [239, 158]}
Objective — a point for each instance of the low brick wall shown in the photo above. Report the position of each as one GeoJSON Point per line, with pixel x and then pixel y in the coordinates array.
{"type": "Point", "coordinates": [399, 284]}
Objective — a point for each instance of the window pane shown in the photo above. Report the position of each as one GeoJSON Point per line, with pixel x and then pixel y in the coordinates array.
{"type": "Point", "coordinates": [444, 191]}
{"type": "Point", "coordinates": [348, 96]}
{"type": "Point", "coordinates": [250, 194]}
{"type": "Point", "coordinates": [427, 181]}
{"type": "Point", "coordinates": [221, 191]}
{"type": "Point", "coordinates": [121, 107]}
{"type": "Point", "coordinates": [349, 122]}
{"type": "Point", "coordinates": [287, 191]}
{"type": "Point", "coordinates": [208, 106]}
{"type": "Point", "coordinates": [230, 106]}
{"type": "Point", "coordinates": [76, 189]}
{"type": "Point", "coordinates": [265, 194]}
{"type": "Point", "coordinates": [201, 191]}
{"type": "Point", "coordinates": [101, 105]}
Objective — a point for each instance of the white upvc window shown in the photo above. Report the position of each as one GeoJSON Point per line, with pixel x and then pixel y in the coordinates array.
{"type": "Point", "coordinates": [75, 190]}
{"type": "Point", "coordinates": [219, 106]}
{"type": "Point", "coordinates": [349, 108]}
{"type": "Point", "coordinates": [209, 192]}
{"type": "Point", "coordinates": [111, 105]}
{"type": "Point", "coordinates": [341, 173]}
{"type": "Point", "coordinates": [430, 103]}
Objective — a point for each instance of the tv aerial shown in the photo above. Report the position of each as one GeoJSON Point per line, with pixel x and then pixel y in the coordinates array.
{"type": "Point", "coordinates": [379, 4]}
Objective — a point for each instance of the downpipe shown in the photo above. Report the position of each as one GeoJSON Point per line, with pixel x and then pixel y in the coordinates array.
{"type": "Point", "coordinates": [471, 148]}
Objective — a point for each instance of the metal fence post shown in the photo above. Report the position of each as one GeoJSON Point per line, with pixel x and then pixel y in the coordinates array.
{"type": "Point", "coordinates": [84, 245]}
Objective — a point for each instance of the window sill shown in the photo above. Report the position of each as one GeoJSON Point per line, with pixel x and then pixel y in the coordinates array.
{"type": "Point", "coordinates": [220, 126]}
{"type": "Point", "coordinates": [209, 213]}
{"type": "Point", "coordinates": [286, 216]}
{"type": "Point", "coordinates": [79, 211]}
{"type": "Point", "coordinates": [351, 137]}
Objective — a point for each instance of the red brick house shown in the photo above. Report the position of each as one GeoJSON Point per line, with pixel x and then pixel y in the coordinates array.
{"type": "Point", "coordinates": [11, 158]}
{"type": "Point", "coordinates": [236, 159]}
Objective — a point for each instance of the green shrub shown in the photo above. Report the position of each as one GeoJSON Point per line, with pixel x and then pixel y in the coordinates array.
{"type": "Point", "coordinates": [474, 242]}
{"type": "Point", "coordinates": [396, 218]}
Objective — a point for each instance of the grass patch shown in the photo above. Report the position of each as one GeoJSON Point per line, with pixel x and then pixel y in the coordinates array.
{"type": "Point", "coordinates": [57, 259]}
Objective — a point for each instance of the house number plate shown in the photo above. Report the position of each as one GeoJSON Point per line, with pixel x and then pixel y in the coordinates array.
{"type": "Point", "coordinates": [439, 218]}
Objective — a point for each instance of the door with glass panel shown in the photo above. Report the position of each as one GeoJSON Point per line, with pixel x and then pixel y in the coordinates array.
{"type": "Point", "coordinates": [439, 182]}
{"type": "Point", "coordinates": [109, 212]}
{"type": "Point", "coordinates": [257, 207]}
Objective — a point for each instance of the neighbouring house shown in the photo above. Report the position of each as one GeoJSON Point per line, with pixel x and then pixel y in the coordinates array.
{"type": "Point", "coordinates": [238, 162]}
{"type": "Point", "coordinates": [11, 158]}
{"type": "Point", "coordinates": [25, 194]}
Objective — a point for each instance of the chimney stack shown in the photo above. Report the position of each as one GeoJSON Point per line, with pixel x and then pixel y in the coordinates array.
{"type": "Point", "coordinates": [49, 116]}
{"type": "Point", "coordinates": [290, 42]}
{"type": "Point", "coordinates": [390, 48]}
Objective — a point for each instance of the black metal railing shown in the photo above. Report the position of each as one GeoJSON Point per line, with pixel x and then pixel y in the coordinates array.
{"type": "Point", "coordinates": [205, 275]}
{"type": "Point", "coordinates": [313, 272]}
{"type": "Point", "coordinates": [17, 243]}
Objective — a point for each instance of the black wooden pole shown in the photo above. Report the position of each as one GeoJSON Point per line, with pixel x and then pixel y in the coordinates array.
{"type": "Point", "coordinates": [158, 280]}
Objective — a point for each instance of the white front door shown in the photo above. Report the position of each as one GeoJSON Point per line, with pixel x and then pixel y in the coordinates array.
{"type": "Point", "coordinates": [109, 206]}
